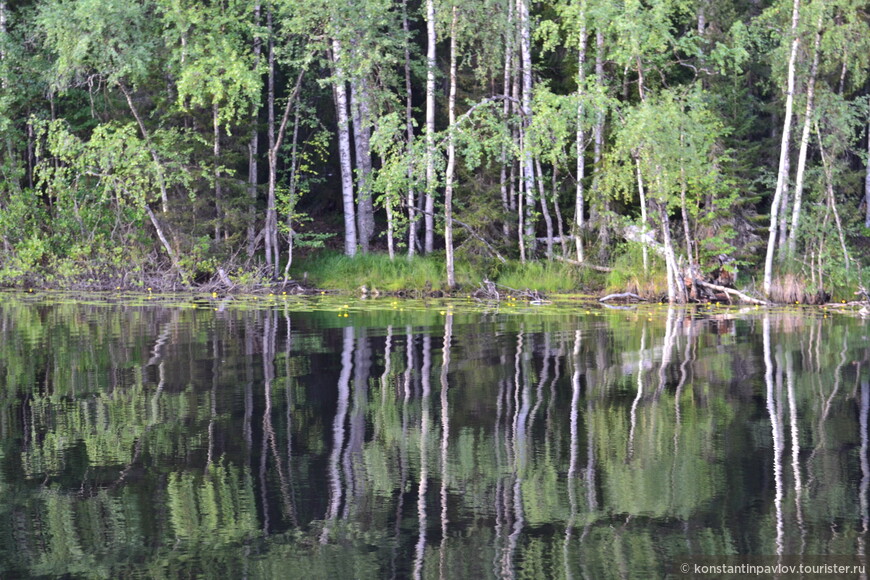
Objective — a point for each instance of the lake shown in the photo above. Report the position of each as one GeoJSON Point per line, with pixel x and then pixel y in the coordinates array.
{"type": "Point", "coordinates": [170, 437]}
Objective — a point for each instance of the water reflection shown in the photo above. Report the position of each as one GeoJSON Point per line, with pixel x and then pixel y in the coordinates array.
{"type": "Point", "coordinates": [165, 442]}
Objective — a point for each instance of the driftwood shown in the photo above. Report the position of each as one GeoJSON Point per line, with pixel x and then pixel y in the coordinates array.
{"type": "Point", "coordinates": [621, 295]}
{"type": "Point", "coordinates": [731, 292]}
{"type": "Point", "coordinates": [488, 291]}
{"type": "Point", "coordinates": [222, 274]}
{"type": "Point", "coordinates": [714, 287]}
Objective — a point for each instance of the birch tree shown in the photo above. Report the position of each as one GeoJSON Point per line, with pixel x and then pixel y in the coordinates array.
{"type": "Point", "coordinates": [341, 102]}
{"type": "Point", "coordinates": [784, 148]}
{"type": "Point", "coordinates": [431, 71]}
{"type": "Point", "coordinates": [526, 160]}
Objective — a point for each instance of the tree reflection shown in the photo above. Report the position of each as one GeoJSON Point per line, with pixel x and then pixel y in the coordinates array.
{"type": "Point", "coordinates": [557, 446]}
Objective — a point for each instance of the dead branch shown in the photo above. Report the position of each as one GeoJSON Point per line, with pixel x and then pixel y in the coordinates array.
{"type": "Point", "coordinates": [731, 292]}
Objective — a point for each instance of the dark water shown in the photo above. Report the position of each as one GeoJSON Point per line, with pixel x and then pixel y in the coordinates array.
{"type": "Point", "coordinates": [310, 440]}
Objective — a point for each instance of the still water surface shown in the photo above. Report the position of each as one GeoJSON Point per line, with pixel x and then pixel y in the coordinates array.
{"type": "Point", "coordinates": [313, 439]}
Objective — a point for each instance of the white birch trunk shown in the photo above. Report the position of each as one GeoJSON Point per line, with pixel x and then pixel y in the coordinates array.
{"type": "Point", "coordinates": [362, 143]}
{"type": "Point", "coordinates": [528, 171]}
{"type": "Point", "coordinates": [643, 216]}
{"type": "Point", "coordinates": [429, 217]}
{"type": "Point", "coordinates": [350, 238]}
{"type": "Point", "coordinates": [782, 175]}
{"type": "Point", "coordinates": [409, 128]}
{"type": "Point", "coordinates": [294, 168]}
{"type": "Point", "coordinates": [580, 199]}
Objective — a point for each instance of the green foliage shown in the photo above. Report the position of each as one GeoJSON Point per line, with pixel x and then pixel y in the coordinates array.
{"type": "Point", "coordinates": [114, 41]}
{"type": "Point", "coordinates": [216, 66]}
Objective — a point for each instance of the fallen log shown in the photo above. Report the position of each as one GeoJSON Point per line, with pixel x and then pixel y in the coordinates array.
{"type": "Point", "coordinates": [732, 292]}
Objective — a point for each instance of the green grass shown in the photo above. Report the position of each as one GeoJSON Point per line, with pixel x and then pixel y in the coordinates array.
{"type": "Point", "coordinates": [547, 277]}
{"type": "Point", "coordinates": [334, 271]}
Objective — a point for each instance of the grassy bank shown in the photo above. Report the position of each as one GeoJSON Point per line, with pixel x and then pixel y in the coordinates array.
{"type": "Point", "coordinates": [335, 271]}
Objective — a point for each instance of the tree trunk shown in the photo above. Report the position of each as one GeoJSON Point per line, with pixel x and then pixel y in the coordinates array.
{"type": "Point", "coordinates": [782, 175]}
{"type": "Point", "coordinates": [451, 159]}
{"type": "Point", "coordinates": [527, 168]}
{"type": "Point", "coordinates": [254, 150]}
{"type": "Point", "coordinates": [164, 198]}
{"type": "Point", "coordinates": [685, 214]}
{"type": "Point", "coordinates": [340, 91]}
{"type": "Point", "coordinates": [867, 183]}
{"type": "Point", "coordinates": [173, 257]}
{"type": "Point", "coordinates": [560, 231]}
{"type": "Point", "coordinates": [521, 238]}
{"type": "Point", "coordinates": [409, 128]}
{"type": "Point", "coordinates": [829, 186]}
{"type": "Point", "coordinates": [270, 227]}
{"type": "Point", "coordinates": [643, 216]}
{"type": "Point", "coordinates": [429, 217]}
{"type": "Point", "coordinates": [548, 221]}
{"type": "Point", "coordinates": [580, 200]}
{"type": "Point", "coordinates": [217, 171]}
{"type": "Point", "coordinates": [676, 291]}
{"type": "Point", "coordinates": [683, 206]}
{"type": "Point", "coordinates": [805, 139]}
{"type": "Point", "coordinates": [4, 82]}
{"type": "Point", "coordinates": [506, 109]}
{"type": "Point", "coordinates": [359, 105]}
{"type": "Point", "coordinates": [275, 140]}
{"type": "Point", "coordinates": [598, 149]}
{"type": "Point", "coordinates": [294, 178]}
{"type": "Point", "coordinates": [783, 212]}
{"type": "Point", "coordinates": [514, 186]}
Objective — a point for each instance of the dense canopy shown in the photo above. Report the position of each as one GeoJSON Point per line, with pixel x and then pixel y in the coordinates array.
{"type": "Point", "coordinates": [678, 138]}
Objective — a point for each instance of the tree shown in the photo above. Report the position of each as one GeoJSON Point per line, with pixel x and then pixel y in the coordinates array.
{"type": "Point", "coordinates": [784, 148]}
{"type": "Point", "coordinates": [431, 70]}
{"type": "Point", "coordinates": [217, 72]}
{"type": "Point", "coordinates": [340, 95]}
{"type": "Point", "coordinates": [668, 140]}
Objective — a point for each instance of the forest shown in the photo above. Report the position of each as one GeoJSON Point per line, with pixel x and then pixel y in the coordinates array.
{"type": "Point", "coordinates": [643, 144]}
